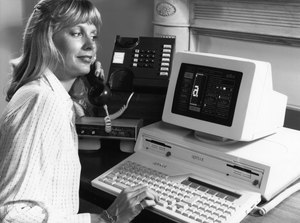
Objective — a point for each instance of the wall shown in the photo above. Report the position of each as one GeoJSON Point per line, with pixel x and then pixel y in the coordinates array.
{"type": "Point", "coordinates": [10, 40]}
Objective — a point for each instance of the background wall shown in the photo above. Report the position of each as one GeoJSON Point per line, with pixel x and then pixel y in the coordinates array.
{"type": "Point", "coordinates": [11, 17]}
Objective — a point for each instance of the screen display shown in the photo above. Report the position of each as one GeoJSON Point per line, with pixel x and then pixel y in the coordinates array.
{"type": "Point", "coordinates": [207, 93]}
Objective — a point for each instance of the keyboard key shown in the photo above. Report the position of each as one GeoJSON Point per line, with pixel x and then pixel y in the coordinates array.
{"type": "Point", "coordinates": [120, 185]}
{"type": "Point", "coordinates": [186, 182]}
{"type": "Point", "coordinates": [162, 203]}
{"type": "Point", "coordinates": [182, 205]}
{"type": "Point", "coordinates": [194, 185]}
{"type": "Point", "coordinates": [172, 207]}
{"type": "Point", "coordinates": [201, 188]}
{"type": "Point", "coordinates": [191, 201]}
{"type": "Point", "coordinates": [211, 192]}
{"type": "Point", "coordinates": [230, 198]}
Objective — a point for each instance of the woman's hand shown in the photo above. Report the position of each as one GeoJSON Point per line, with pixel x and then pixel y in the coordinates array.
{"type": "Point", "coordinates": [99, 72]}
{"type": "Point", "coordinates": [131, 201]}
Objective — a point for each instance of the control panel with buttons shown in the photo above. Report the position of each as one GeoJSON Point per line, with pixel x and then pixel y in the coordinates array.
{"type": "Point", "coordinates": [125, 129]}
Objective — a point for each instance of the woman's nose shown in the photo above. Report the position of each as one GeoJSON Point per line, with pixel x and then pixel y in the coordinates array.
{"type": "Point", "coordinates": [89, 43]}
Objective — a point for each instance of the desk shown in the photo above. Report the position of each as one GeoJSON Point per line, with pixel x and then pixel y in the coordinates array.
{"type": "Point", "coordinates": [95, 163]}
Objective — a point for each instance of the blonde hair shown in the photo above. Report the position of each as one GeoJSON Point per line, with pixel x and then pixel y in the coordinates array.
{"type": "Point", "coordinates": [38, 50]}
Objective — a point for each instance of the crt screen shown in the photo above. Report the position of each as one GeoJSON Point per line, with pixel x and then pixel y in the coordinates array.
{"type": "Point", "coordinates": [206, 93]}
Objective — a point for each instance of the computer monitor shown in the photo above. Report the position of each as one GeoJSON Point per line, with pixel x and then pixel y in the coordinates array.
{"type": "Point", "coordinates": [223, 98]}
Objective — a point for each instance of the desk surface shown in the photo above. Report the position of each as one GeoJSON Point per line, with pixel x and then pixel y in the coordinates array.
{"type": "Point", "coordinates": [95, 163]}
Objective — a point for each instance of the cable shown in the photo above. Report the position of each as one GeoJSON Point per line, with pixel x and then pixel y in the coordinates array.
{"type": "Point", "coordinates": [264, 209]}
{"type": "Point", "coordinates": [108, 118]}
{"type": "Point", "coordinates": [122, 109]}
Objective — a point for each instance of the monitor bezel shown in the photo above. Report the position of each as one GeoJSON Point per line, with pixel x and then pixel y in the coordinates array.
{"type": "Point", "coordinates": [246, 105]}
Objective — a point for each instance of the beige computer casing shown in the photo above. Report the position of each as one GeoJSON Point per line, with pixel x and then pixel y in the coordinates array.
{"type": "Point", "coordinates": [268, 165]}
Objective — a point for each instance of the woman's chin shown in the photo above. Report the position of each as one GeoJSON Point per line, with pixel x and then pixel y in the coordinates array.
{"type": "Point", "coordinates": [84, 71]}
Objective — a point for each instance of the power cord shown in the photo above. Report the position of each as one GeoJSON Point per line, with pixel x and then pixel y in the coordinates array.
{"type": "Point", "coordinates": [264, 209]}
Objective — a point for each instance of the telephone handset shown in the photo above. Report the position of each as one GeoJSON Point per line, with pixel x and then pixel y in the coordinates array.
{"type": "Point", "coordinates": [141, 64]}
{"type": "Point", "coordinates": [98, 91]}
{"type": "Point", "coordinates": [126, 42]}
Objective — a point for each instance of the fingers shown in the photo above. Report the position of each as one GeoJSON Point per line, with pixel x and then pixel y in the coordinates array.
{"type": "Point", "coordinates": [144, 204]}
{"type": "Point", "coordinates": [144, 195]}
{"type": "Point", "coordinates": [131, 201]}
{"type": "Point", "coordinates": [147, 203]}
{"type": "Point", "coordinates": [137, 190]}
{"type": "Point", "coordinates": [99, 72]}
{"type": "Point", "coordinates": [147, 194]}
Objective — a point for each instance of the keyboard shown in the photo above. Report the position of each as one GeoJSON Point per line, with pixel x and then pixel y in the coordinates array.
{"type": "Point", "coordinates": [187, 200]}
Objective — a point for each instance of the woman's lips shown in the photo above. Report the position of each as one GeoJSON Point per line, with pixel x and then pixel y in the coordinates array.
{"type": "Point", "coordinates": [86, 59]}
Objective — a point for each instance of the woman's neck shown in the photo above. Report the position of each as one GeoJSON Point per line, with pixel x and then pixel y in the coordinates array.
{"type": "Point", "coordinates": [66, 81]}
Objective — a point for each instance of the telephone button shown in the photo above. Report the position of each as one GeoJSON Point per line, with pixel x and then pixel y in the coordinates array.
{"type": "Point", "coordinates": [151, 51]}
{"type": "Point", "coordinates": [163, 73]}
{"type": "Point", "coordinates": [165, 64]}
{"type": "Point", "coordinates": [166, 55]}
{"type": "Point", "coordinates": [167, 46]}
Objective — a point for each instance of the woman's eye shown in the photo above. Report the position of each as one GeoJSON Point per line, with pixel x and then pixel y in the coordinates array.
{"type": "Point", "coordinates": [94, 37]}
{"type": "Point", "coordinates": [76, 34]}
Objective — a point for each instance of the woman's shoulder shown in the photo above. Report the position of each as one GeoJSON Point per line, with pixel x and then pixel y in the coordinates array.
{"type": "Point", "coordinates": [33, 96]}
{"type": "Point", "coordinates": [36, 91]}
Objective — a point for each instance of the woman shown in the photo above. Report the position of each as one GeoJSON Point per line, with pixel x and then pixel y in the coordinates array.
{"type": "Point", "coordinates": [39, 163]}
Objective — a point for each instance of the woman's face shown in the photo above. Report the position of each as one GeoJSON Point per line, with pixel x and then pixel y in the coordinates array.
{"type": "Point", "coordinates": [77, 45]}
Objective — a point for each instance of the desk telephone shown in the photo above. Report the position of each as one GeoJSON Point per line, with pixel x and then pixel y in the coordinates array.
{"type": "Point", "coordinates": [141, 64]}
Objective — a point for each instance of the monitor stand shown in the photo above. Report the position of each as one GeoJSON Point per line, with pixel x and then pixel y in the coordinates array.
{"type": "Point", "coordinates": [212, 139]}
